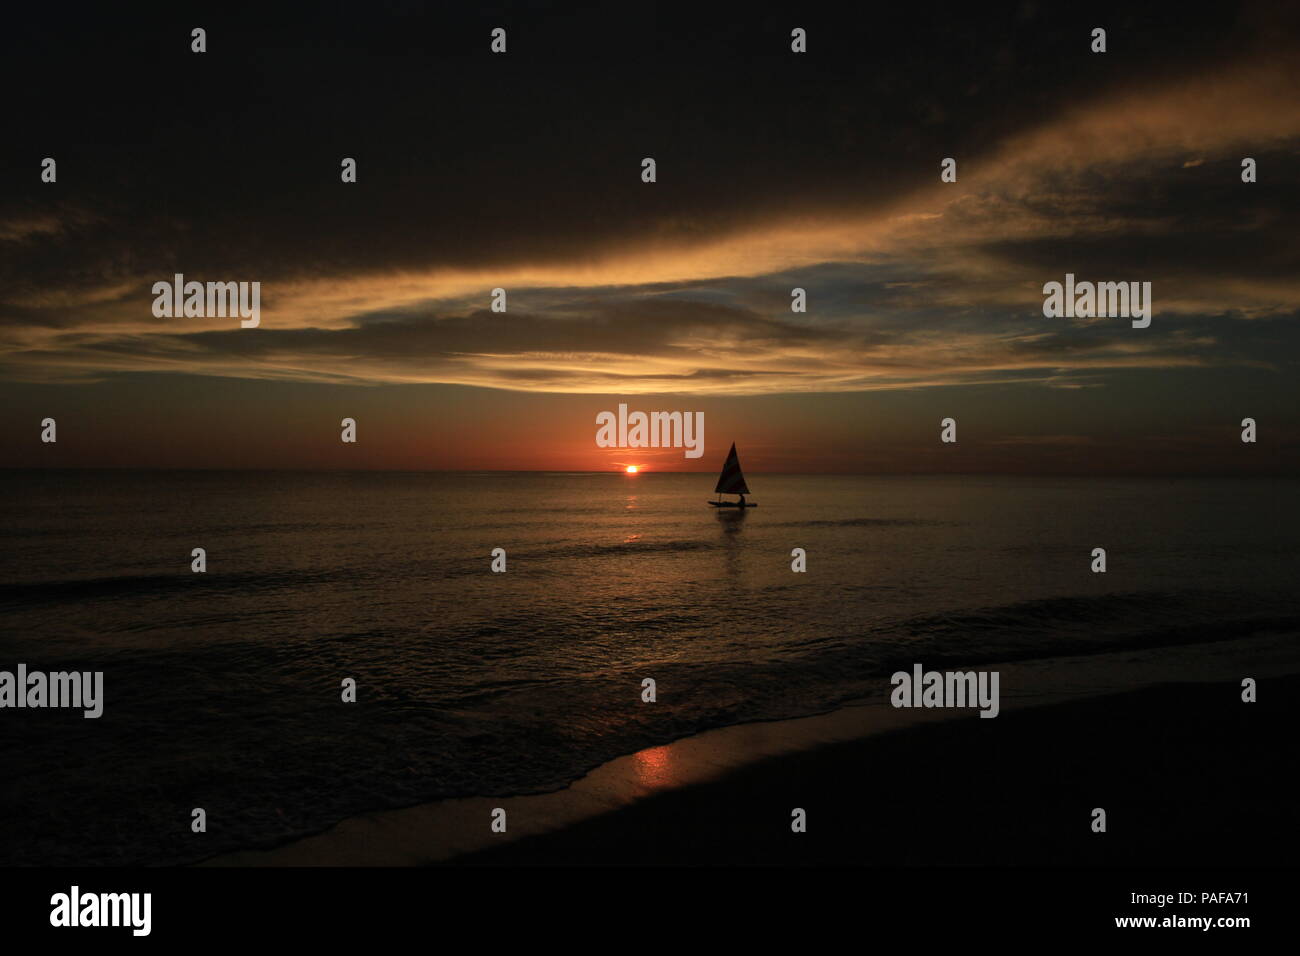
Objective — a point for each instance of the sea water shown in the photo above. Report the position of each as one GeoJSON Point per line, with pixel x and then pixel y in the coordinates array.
{"type": "Point", "coordinates": [222, 689]}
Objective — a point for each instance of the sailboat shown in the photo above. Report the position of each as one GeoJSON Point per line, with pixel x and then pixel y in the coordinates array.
{"type": "Point", "coordinates": [732, 482]}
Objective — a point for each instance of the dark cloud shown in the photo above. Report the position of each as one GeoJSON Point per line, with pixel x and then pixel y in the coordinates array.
{"type": "Point", "coordinates": [228, 162]}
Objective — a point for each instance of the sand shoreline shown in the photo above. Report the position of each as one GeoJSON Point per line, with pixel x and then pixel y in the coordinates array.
{"type": "Point", "coordinates": [447, 830]}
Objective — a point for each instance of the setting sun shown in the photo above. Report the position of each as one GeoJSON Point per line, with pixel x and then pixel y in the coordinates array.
{"type": "Point", "coordinates": [631, 469]}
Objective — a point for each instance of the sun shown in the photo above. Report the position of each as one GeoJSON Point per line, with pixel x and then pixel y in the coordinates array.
{"type": "Point", "coordinates": [631, 469]}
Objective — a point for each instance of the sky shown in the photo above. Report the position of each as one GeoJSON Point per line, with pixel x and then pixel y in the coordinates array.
{"type": "Point", "coordinates": [775, 170]}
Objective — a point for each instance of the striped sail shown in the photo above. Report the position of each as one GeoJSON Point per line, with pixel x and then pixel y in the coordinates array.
{"type": "Point", "coordinates": [732, 481]}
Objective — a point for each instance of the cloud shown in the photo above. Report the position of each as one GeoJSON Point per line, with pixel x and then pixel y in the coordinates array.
{"type": "Point", "coordinates": [644, 341]}
{"type": "Point", "coordinates": [912, 283]}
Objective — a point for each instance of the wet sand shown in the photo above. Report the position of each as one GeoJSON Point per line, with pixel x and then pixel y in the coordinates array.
{"type": "Point", "coordinates": [1186, 772]}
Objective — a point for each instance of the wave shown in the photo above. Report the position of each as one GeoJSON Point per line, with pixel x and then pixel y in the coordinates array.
{"type": "Point", "coordinates": [865, 523]}
{"type": "Point", "coordinates": [1086, 624]}
{"type": "Point", "coordinates": [123, 586]}
{"type": "Point", "coordinates": [458, 713]}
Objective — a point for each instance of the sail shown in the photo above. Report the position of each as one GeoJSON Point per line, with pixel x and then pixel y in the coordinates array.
{"type": "Point", "coordinates": [732, 481]}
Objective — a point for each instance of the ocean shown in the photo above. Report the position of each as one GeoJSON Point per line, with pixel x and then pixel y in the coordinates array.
{"type": "Point", "coordinates": [222, 690]}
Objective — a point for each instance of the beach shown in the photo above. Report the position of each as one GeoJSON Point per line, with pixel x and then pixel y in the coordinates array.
{"type": "Point", "coordinates": [1170, 763]}
{"type": "Point", "coordinates": [1203, 787]}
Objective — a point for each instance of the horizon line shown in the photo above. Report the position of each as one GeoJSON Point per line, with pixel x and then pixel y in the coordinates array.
{"type": "Point", "coordinates": [644, 473]}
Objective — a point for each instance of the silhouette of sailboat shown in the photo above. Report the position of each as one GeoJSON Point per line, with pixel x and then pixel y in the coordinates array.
{"type": "Point", "coordinates": [732, 482]}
